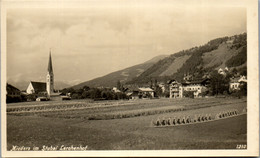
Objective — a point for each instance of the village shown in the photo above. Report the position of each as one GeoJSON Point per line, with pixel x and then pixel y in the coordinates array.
{"type": "Point", "coordinates": [134, 78]}
{"type": "Point", "coordinates": [225, 82]}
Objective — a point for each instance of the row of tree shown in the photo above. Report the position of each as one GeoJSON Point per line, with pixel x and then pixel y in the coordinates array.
{"type": "Point", "coordinates": [94, 93]}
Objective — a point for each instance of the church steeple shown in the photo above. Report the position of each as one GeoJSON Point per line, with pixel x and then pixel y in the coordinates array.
{"type": "Point", "coordinates": [50, 64]}
{"type": "Point", "coordinates": [50, 78]}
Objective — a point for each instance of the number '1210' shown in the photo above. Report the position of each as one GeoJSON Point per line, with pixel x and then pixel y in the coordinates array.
{"type": "Point", "coordinates": [241, 146]}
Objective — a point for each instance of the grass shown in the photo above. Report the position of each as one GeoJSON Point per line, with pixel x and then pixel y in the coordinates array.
{"type": "Point", "coordinates": [116, 109]}
{"type": "Point", "coordinates": [130, 133]}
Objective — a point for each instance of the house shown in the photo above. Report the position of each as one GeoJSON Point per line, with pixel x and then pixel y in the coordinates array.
{"type": "Point", "coordinates": [236, 82]}
{"type": "Point", "coordinates": [162, 86]}
{"type": "Point", "coordinates": [242, 79]}
{"type": "Point", "coordinates": [13, 94]}
{"type": "Point", "coordinates": [115, 90]}
{"type": "Point", "coordinates": [178, 89]}
{"type": "Point", "coordinates": [133, 93]}
{"type": "Point", "coordinates": [146, 92]}
{"type": "Point", "coordinates": [12, 91]}
{"type": "Point", "coordinates": [174, 87]}
{"type": "Point", "coordinates": [36, 88]}
{"type": "Point", "coordinates": [138, 93]}
{"type": "Point", "coordinates": [197, 87]}
{"type": "Point", "coordinates": [187, 77]}
{"type": "Point", "coordinates": [223, 72]}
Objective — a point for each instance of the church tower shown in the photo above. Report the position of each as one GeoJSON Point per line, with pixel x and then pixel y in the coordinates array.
{"type": "Point", "coordinates": [50, 78]}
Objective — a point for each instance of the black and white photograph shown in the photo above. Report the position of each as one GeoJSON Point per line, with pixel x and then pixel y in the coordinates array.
{"type": "Point", "coordinates": [132, 78]}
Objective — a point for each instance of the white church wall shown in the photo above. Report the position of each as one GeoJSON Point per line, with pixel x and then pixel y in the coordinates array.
{"type": "Point", "coordinates": [30, 89]}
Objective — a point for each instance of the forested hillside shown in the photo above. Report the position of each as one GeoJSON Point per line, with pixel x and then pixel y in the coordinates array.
{"type": "Point", "coordinates": [223, 52]}
{"type": "Point", "coordinates": [198, 61]}
{"type": "Point", "coordinates": [125, 75]}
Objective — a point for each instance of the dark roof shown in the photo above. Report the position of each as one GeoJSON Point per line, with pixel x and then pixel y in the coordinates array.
{"type": "Point", "coordinates": [50, 70]}
{"type": "Point", "coordinates": [201, 81]}
{"type": "Point", "coordinates": [170, 81]}
{"type": "Point", "coordinates": [11, 88]}
{"type": "Point", "coordinates": [39, 86]}
{"type": "Point", "coordinates": [131, 88]}
{"type": "Point", "coordinates": [234, 80]}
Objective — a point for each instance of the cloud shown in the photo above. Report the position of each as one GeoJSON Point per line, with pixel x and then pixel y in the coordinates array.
{"type": "Point", "coordinates": [88, 43]}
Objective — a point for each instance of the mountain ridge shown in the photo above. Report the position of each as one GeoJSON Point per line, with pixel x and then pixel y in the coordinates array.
{"type": "Point", "coordinates": [217, 53]}
{"type": "Point", "coordinates": [123, 75]}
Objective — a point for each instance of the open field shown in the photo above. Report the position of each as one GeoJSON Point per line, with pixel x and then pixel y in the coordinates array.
{"type": "Point", "coordinates": [110, 125]}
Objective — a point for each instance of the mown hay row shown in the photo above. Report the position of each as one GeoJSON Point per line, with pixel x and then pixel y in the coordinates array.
{"type": "Point", "coordinates": [182, 120]}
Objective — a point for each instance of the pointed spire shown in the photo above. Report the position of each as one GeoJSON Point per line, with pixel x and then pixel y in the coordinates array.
{"type": "Point", "coordinates": [50, 64]}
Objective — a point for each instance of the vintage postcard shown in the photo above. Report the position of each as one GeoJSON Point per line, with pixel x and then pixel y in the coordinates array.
{"type": "Point", "coordinates": [129, 78]}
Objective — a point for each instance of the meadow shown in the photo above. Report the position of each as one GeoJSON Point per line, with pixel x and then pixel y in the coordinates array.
{"type": "Point", "coordinates": [125, 124]}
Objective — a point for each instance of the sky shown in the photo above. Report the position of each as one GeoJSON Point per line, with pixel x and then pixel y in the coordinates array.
{"type": "Point", "coordinates": [93, 41]}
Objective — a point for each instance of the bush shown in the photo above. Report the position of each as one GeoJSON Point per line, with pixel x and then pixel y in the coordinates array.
{"type": "Point", "coordinates": [31, 97]}
{"type": "Point", "coordinates": [188, 94]}
{"type": "Point", "coordinates": [10, 99]}
{"type": "Point", "coordinates": [75, 96]}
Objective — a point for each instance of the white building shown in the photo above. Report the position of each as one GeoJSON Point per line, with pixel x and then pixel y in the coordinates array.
{"type": "Point", "coordinates": [236, 82]}
{"type": "Point", "coordinates": [162, 86]}
{"type": "Point", "coordinates": [36, 87]}
{"type": "Point", "coordinates": [177, 89]}
{"type": "Point", "coordinates": [174, 88]}
{"type": "Point", "coordinates": [223, 72]}
{"type": "Point", "coordinates": [146, 92]}
{"type": "Point", "coordinates": [42, 87]}
{"type": "Point", "coordinates": [197, 87]}
{"type": "Point", "coordinates": [115, 90]}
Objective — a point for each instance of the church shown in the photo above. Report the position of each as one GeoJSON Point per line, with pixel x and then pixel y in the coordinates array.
{"type": "Point", "coordinates": [43, 88]}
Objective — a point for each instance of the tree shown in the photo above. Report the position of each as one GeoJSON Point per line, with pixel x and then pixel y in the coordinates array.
{"type": "Point", "coordinates": [95, 93]}
{"type": "Point", "coordinates": [66, 90]}
{"type": "Point", "coordinates": [75, 96]}
{"type": "Point", "coordinates": [188, 94]}
{"type": "Point", "coordinates": [86, 88]}
{"type": "Point", "coordinates": [243, 71]}
{"type": "Point", "coordinates": [243, 88]}
{"type": "Point", "coordinates": [234, 71]}
{"type": "Point", "coordinates": [118, 85]}
{"type": "Point", "coordinates": [86, 94]}
{"type": "Point", "coordinates": [218, 83]}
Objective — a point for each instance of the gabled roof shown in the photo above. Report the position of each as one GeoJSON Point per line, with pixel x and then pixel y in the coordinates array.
{"type": "Point", "coordinates": [242, 79]}
{"type": "Point", "coordinates": [173, 80]}
{"type": "Point", "coordinates": [238, 79]}
{"type": "Point", "coordinates": [39, 86]}
{"type": "Point", "coordinates": [146, 89]}
{"type": "Point", "coordinates": [234, 80]}
{"type": "Point", "coordinates": [201, 81]}
{"type": "Point", "coordinates": [11, 88]}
